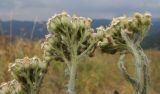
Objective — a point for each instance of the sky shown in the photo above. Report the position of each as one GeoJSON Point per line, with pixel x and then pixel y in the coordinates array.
{"type": "Point", "coordinates": [96, 9]}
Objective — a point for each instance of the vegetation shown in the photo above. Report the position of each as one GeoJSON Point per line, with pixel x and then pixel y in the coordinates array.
{"type": "Point", "coordinates": [98, 74]}
{"type": "Point", "coordinates": [71, 40]}
{"type": "Point", "coordinates": [125, 35]}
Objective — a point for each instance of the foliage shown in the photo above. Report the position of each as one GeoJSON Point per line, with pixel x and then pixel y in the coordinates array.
{"type": "Point", "coordinates": [72, 39]}
{"type": "Point", "coordinates": [125, 35]}
{"type": "Point", "coordinates": [69, 41]}
{"type": "Point", "coordinates": [26, 73]}
{"type": "Point", "coordinates": [135, 27]}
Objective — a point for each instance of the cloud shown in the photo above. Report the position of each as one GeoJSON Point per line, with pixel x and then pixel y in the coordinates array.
{"type": "Point", "coordinates": [28, 9]}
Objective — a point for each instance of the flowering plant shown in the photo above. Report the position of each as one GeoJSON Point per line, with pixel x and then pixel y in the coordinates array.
{"type": "Point", "coordinates": [124, 35]}
{"type": "Point", "coordinates": [136, 27]}
{"type": "Point", "coordinates": [69, 41]}
{"type": "Point", "coordinates": [26, 73]}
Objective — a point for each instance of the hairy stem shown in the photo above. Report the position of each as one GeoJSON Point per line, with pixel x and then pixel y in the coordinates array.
{"type": "Point", "coordinates": [42, 77]}
{"type": "Point", "coordinates": [124, 71]}
{"type": "Point", "coordinates": [72, 79]}
{"type": "Point", "coordinates": [141, 66]}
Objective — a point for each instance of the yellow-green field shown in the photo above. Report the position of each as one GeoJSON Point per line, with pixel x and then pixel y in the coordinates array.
{"type": "Point", "coordinates": [96, 75]}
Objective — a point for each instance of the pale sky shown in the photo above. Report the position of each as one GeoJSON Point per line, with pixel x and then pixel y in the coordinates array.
{"type": "Point", "coordinates": [96, 9]}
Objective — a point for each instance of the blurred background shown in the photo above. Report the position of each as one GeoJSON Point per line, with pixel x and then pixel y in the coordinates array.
{"type": "Point", "coordinates": [23, 28]}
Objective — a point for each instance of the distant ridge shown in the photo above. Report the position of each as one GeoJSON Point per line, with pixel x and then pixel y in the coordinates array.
{"type": "Point", "coordinates": [23, 29]}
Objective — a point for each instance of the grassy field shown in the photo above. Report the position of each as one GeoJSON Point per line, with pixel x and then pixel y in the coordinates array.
{"type": "Point", "coordinates": [97, 75]}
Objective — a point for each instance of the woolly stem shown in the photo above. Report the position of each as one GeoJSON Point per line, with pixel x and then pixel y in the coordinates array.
{"type": "Point", "coordinates": [72, 79]}
{"type": "Point", "coordinates": [42, 77]}
{"type": "Point", "coordinates": [124, 71]}
{"type": "Point", "coordinates": [141, 66]}
{"type": "Point", "coordinates": [73, 70]}
{"type": "Point", "coordinates": [146, 78]}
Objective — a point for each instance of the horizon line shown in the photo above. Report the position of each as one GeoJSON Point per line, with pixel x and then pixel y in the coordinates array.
{"type": "Point", "coordinates": [5, 20]}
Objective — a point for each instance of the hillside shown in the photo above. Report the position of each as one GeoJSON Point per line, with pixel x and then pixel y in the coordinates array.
{"type": "Point", "coordinates": [28, 29]}
{"type": "Point", "coordinates": [97, 75]}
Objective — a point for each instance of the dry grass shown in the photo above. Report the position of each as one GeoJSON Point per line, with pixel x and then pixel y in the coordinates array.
{"type": "Point", "coordinates": [97, 75]}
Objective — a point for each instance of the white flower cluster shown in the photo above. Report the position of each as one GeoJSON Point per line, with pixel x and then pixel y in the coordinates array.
{"type": "Point", "coordinates": [110, 37]}
{"type": "Point", "coordinates": [27, 67]}
{"type": "Point", "coordinates": [11, 87]}
{"type": "Point", "coordinates": [65, 32]}
{"type": "Point", "coordinates": [59, 23]}
{"type": "Point", "coordinates": [26, 76]}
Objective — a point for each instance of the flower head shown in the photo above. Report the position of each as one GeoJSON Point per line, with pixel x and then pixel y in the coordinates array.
{"type": "Point", "coordinates": [137, 24]}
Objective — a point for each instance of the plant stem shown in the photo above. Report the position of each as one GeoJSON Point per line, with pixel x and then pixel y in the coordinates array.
{"type": "Point", "coordinates": [141, 66]}
{"type": "Point", "coordinates": [72, 79]}
{"type": "Point", "coordinates": [42, 77]}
